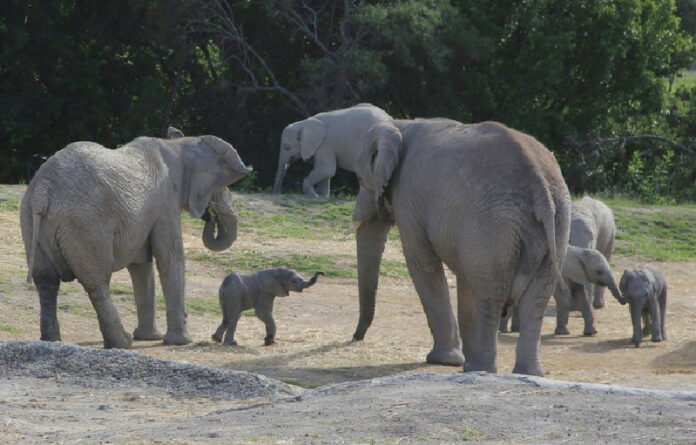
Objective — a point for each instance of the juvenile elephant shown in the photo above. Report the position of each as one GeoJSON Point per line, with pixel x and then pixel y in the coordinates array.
{"type": "Point", "coordinates": [241, 292]}
{"type": "Point", "coordinates": [592, 226]}
{"type": "Point", "coordinates": [333, 138]}
{"type": "Point", "coordinates": [90, 211]}
{"type": "Point", "coordinates": [580, 268]}
{"type": "Point", "coordinates": [645, 290]}
{"type": "Point", "coordinates": [489, 202]}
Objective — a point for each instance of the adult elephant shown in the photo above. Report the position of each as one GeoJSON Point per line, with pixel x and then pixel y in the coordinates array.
{"type": "Point", "coordinates": [333, 139]}
{"type": "Point", "coordinates": [90, 211]}
{"type": "Point", "coordinates": [592, 226]}
{"type": "Point", "coordinates": [489, 202]}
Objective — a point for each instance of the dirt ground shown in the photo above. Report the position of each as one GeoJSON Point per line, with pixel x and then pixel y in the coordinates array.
{"type": "Point", "coordinates": [315, 327]}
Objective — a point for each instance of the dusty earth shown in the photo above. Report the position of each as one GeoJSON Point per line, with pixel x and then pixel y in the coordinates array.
{"type": "Point", "coordinates": [439, 404]}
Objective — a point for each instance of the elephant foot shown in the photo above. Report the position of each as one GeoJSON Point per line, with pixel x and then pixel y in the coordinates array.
{"type": "Point", "coordinates": [215, 338]}
{"type": "Point", "coordinates": [447, 357]}
{"type": "Point", "coordinates": [656, 338]}
{"type": "Point", "coordinates": [503, 329]}
{"type": "Point", "coordinates": [176, 338]}
{"type": "Point", "coordinates": [268, 340]}
{"type": "Point", "coordinates": [146, 334]}
{"type": "Point", "coordinates": [534, 369]}
{"type": "Point", "coordinates": [636, 343]}
{"type": "Point", "coordinates": [232, 342]}
{"type": "Point", "coordinates": [50, 337]}
{"type": "Point", "coordinates": [589, 332]}
{"type": "Point", "coordinates": [514, 328]}
{"type": "Point", "coordinates": [122, 340]}
{"type": "Point", "coordinates": [471, 366]}
{"type": "Point", "coordinates": [598, 303]}
{"type": "Point", "coordinates": [561, 330]}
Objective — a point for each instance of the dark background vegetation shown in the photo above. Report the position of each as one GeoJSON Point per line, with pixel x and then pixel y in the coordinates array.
{"type": "Point", "coordinates": [579, 75]}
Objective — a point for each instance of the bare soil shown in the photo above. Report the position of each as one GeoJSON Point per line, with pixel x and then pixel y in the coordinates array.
{"type": "Point", "coordinates": [313, 349]}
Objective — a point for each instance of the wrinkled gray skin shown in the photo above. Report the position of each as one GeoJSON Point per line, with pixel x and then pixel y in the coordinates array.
{"type": "Point", "coordinates": [645, 290]}
{"type": "Point", "coordinates": [90, 211]}
{"type": "Point", "coordinates": [489, 202]}
{"type": "Point", "coordinates": [592, 226]}
{"type": "Point", "coordinates": [333, 139]}
{"type": "Point", "coordinates": [239, 293]}
{"type": "Point", "coordinates": [580, 268]}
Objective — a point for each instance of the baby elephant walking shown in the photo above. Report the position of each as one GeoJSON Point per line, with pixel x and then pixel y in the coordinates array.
{"type": "Point", "coordinates": [241, 292]}
{"type": "Point", "coordinates": [645, 291]}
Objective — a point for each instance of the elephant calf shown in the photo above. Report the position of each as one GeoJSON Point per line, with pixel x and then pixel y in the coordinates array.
{"type": "Point", "coordinates": [645, 290]}
{"type": "Point", "coordinates": [581, 269]}
{"type": "Point", "coordinates": [241, 292]}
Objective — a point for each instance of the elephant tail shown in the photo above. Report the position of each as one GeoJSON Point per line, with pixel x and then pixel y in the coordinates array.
{"type": "Point", "coordinates": [39, 205]}
{"type": "Point", "coordinates": [545, 212]}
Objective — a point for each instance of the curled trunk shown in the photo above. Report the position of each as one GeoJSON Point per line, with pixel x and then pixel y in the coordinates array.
{"type": "Point", "coordinates": [312, 280]}
{"type": "Point", "coordinates": [220, 229]}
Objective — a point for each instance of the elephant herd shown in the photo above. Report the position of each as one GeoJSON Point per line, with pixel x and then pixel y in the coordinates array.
{"type": "Point", "coordinates": [487, 201]}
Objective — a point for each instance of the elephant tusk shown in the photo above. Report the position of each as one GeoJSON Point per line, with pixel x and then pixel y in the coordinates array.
{"type": "Point", "coordinates": [353, 228]}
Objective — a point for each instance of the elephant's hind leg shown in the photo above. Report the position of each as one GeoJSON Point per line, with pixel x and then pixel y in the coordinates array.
{"type": "Point", "coordinates": [47, 281]}
{"type": "Point", "coordinates": [109, 322]}
{"type": "Point", "coordinates": [429, 279]}
{"type": "Point", "coordinates": [478, 321]}
{"type": "Point", "coordinates": [143, 277]}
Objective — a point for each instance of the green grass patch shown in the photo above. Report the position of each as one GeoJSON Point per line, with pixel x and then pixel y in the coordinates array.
{"type": "Point", "coordinates": [8, 202]}
{"type": "Point", "coordinates": [12, 329]}
{"type": "Point", "coordinates": [202, 305]}
{"type": "Point", "coordinates": [121, 289]}
{"type": "Point", "coordinates": [655, 232]}
{"type": "Point", "coordinates": [81, 309]}
{"type": "Point", "coordinates": [249, 313]}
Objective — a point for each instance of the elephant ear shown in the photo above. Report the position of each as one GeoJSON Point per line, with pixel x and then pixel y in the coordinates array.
{"type": "Point", "coordinates": [312, 134]}
{"type": "Point", "coordinates": [574, 266]}
{"type": "Point", "coordinates": [226, 152]}
{"type": "Point", "coordinates": [279, 276]}
{"type": "Point", "coordinates": [380, 157]}
{"type": "Point", "coordinates": [623, 283]}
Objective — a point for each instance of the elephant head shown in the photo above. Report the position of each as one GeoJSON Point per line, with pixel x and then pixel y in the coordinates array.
{"type": "Point", "coordinates": [299, 140]}
{"type": "Point", "coordinates": [372, 216]}
{"type": "Point", "coordinates": [286, 280]}
{"type": "Point", "coordinates": [589, 266]}
{"type": "Point", "coordinates": [211, 165]}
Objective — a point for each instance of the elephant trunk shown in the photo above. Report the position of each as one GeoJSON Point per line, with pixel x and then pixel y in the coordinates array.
{"type": "Point", "coordinates": [312, 280]}
{"type": "Point", "coordinates": [636, 318]}
{"type": "Point", "coordinates": [371, 237]}
{"type": "Point", "coordinates": [280, 175]}
{"type": "Point", "coordinates": [615, 292]}
{"type": "Point", "coordinates": [220, 217]}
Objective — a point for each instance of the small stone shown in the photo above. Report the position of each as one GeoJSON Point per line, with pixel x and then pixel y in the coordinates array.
{"type": "Point", "coordinates": [105, 407]}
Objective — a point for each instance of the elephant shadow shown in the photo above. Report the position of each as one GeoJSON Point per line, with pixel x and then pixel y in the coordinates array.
{"type": "Point", "coordinates": [679, 360]}
{"type": "Point", "coordinates": [604, 346]}
{"type": "Point", "coordinates": [278, 366]}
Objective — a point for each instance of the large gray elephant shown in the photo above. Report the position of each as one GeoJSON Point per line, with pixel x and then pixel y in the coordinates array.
{"type": "Point", "coordinates": [333, 139]}
{"type": "Point", "coordinates": [489, 202]}
{"type": "Point", "coordinates": [580, 268]}
{"type": "Point", "coordinates": [592, 226]}
{"type": "Point", "coordinates": [90, 211]}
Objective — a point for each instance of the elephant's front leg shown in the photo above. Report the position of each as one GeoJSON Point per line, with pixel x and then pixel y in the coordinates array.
{"type": "Point", "coordinates": [562, 311]}
{"type": "Point", "coordinates": [429, 279]}
{"type": "Point", "coordinates": [655, 319]}
{"type": "Point", "coordinates": [324, 188]}
{"type": "Point", "coordinates": [109, 322]}
{"type": "Point", "coordinates": [168, 250]}
{"type": "Point", "coordinates": [583, 299]}
{"type": "Point", "coordinates": [265, 313]}
{"type": "Point", "coordinates": [636, 318]}
{"type": "Point", "coordinates": [143, 277]}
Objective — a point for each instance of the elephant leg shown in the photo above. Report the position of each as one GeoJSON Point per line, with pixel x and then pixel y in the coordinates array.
{"type": "Point", "coordinates": [503, 325]}
{"type": "Point", "coordinates": [168, 250]}
{"type": "Point", "coordinates": [663, 307]}
{"type": "Point", "coordinates": [143, 277]}
{"type": "Point", "coordinates": [562, 311]}
{"type": "Point", "coordinates": [583, 300]}
{"type": "Point", "coordinates": [47, 281]}
{"type": "Point", "coordinates": [109, 322]}
{"type": "Point", "coordinates": [636, 318]}
{"type": "Point", "coordinates": [324, 169]}
{"type": "Point", "coordinates": [532, 306]}
{"type": "Point", "coordinates": [428, 276]}
{"type": "Point", "coordinates": [231, 324]}
{"type": "Point", "coordinates": [324, 188]}
{"type": "Point", "coordinates": [655, 319]}
{"type": "Point", "coordinates": [515, 326]}
{"type": "Point", "coordinates": [267, 319]}
{"type": "Point", "coordinates": [647, 325]}
{"type": "Point", "coordinates": [220, 331]}
{"type": "Point", "coordinates": [479, 335]}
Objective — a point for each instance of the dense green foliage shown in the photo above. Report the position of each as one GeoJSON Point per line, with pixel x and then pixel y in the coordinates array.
{"type": "Point", "coordinates": [567, 72]}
